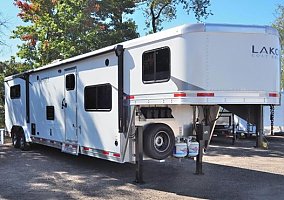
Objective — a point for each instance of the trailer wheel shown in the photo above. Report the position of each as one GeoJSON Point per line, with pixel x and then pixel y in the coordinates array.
{"type": "Point", "coordinates": [15, 140]}
{"type": "Point", "coordinates": [158, 141]}
{"type": "Point", "coordinates": [24, 146]}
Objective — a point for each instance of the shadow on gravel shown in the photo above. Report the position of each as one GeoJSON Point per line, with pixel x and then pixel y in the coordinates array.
{"type": "Point", "coordinates": [246, 147]}
{"type": "Point", "coordinates": [47, 173]}
{"type": "Point", "coordinates": [218, 182]}
{"type": "Point", "coordinates": [50, 174]}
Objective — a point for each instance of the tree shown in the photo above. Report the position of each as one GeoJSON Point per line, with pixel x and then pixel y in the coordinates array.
{"type": "Point", "coordinates": [115, 28]}
{"type": "Point", "coordinates": [57, 30]}
{"type": "Point", "coordinates": [279, 25]}
{"type": "Point", "coordinates": [158, 11]}
{"type": "Point", "coordinates": [61, 29]}
{"type": "Point", "coordinates": [3, 24]}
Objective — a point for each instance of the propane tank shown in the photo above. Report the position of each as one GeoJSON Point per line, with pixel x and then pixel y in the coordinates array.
{"type": "Point", "coordinates": [193, 147]}
{"type": "Point", "coordinates": [180, 149]}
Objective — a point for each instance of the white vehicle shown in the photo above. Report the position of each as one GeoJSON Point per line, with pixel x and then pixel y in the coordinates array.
{"type": "Point", "coordinates": [229, 124]}
{"type": "Point", "coordinates": [167, 82]}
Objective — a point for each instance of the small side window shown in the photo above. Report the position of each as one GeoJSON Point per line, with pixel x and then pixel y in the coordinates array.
{"type": "Point", "coordinates": [15, 92]}
{"type": "Point", "coordinates": [98, 97]}
{"type": "Point", "coordinates": [50, 112]}
{"type": "Point", "coordinates": [156, 65]}
{"type": "Point", "coordinates": [70, 82]}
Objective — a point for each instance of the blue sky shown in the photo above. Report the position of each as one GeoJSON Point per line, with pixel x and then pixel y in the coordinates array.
{"type": "Point", "coordinates": [255, 12]}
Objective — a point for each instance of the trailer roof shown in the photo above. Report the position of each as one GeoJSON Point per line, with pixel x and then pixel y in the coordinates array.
{"type": "Point", "coordinates": [187, 28]}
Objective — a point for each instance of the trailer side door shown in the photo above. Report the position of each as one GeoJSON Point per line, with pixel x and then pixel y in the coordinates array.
{"type": "Point", "coordinates": [69, 103]}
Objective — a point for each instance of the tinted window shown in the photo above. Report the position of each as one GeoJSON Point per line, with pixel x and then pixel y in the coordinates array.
{"type": "Point", "coordinates": [156, 65]}
{"type": "Point", "coordinates": [148, 67]}
{"type": "Point", "coordinates": [98, 98]}
{"type": "Point", "coordinates": [15, 92]}
{"type": "Point", "coordinates": [70, 82]}
{"type": "Point", "coordinates": [50, 112]}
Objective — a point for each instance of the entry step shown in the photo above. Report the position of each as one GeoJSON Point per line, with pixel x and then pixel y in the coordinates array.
{"type": "Point", "coordinates": [71, 148]}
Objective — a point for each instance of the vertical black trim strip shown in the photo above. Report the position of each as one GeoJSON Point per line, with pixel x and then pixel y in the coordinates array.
{"type": "Point", "coordinates": [27, 80]}
{"type": "Point", "coordinates": [121, 118]}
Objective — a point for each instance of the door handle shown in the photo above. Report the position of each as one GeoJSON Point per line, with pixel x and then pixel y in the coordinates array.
{"type": "Point", "coordinates": [80, 129]}
{"type": "Point", "coordinates": [63, 103]}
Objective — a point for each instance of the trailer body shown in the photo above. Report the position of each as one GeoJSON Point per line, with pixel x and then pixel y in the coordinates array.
{"type": "Point", "coordinates": [166, 82]}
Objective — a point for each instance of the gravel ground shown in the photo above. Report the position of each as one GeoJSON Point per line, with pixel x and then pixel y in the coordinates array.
{"type": "Point", "coordinates": [231, 172]}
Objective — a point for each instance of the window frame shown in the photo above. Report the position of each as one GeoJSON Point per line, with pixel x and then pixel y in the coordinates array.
{"type": "Point", "coordinates": [98, 109]}
{"type": "Point", "coordinates": [155, 66]}
{"type": "Point", "coordinates": [73, 85]}
{"type": "Point", "coordinates": [48, 117]}
{"type": "Point", "coordinates": [15, 95]}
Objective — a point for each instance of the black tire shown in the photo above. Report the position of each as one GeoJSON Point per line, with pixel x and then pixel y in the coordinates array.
{"type": "Point", "coordinates": [159, 141]}
{"type": "Point", "coordinates": [15, 140]}
{"type": "Point", "coordinates": [24, 146]}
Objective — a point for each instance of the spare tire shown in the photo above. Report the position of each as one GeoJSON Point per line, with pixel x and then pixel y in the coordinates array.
{"type": "Point", "coordinates": [159, 141]}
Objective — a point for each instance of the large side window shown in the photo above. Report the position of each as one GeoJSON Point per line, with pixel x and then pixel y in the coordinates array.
{"type": "Point", "coordinates": [98, 97]}
{"type": "Point", "coordinates": [156, 65]}
{"type": "Point", "coordinates": [15, 92]}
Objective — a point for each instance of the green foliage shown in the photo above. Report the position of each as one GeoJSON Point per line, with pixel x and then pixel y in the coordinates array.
{"type": "Point", "coordinates": [114, 27]}
{"type": "Point", "coordinates": [55, 30]}
{"type": "Point", "coordinates": [279, 22]}
{"type": "Point", "coordinates": [279, 25]}
{"type": "Point", "coordinates": [62, 29]}
{"type": "Point", "coordinates": [158, 11]}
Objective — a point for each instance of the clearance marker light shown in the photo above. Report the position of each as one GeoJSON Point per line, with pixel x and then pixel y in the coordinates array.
{"type": "Point", "coordinates": [273, 94]}
{"type": "Point", "coordinates": [105, 153]}
{"type": "Point", "coordinates": [205, 94]}
{"type": "Point", "coordinates": [86, 148]}
{"type": "Point", "coordinates": [116, 155]}
{"type": "Point", "coordinates": [180, 94]}
{"type": "Point", "coordinates": [130, 97]}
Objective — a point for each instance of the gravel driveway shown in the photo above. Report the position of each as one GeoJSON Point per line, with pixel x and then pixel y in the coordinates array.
{"type": "Point", "coordinates": [231, 172]}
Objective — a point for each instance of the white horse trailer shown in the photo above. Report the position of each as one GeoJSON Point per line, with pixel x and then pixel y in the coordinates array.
{"type": "Point", "coordinates": [168, 82]}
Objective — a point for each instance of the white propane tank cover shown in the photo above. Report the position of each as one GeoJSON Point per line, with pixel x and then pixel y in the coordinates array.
{"type": "Point", "coordinates": [193, 149]}
{"type": "Point", "coordinates": [180, 150]}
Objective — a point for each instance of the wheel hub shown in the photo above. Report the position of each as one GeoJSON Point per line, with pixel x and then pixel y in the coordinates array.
{"type": "Point", "coordinates": [161, 141]}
